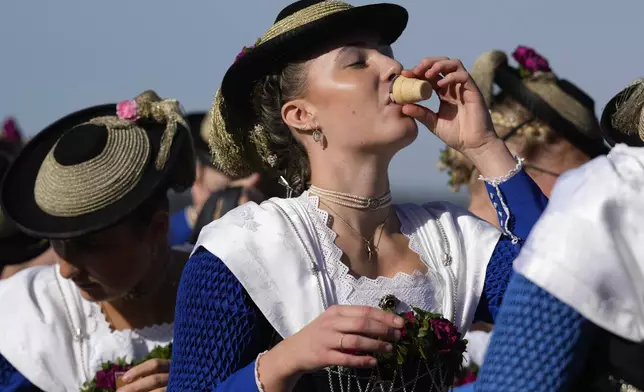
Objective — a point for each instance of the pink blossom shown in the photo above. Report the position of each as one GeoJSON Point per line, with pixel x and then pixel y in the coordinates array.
{"type": "Point", "coordinates": [447, 336]}
{"type": "Point", "coordinates": [10, 131]}
{"type": "Point", "coordinates": [468, 378]}
{"type": "Point", "coordinates": [530, 60]}
{"type": "Point", "coordinates": [126, 110]}
{"type": "Point", "coordinates": [523, 52]}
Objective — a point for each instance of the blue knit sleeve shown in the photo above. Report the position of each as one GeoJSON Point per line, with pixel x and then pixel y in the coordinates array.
{"type": "Point", "coordinates": [519, 203]}
{"type": "Point", "coordinates": [11, 380]}
{"type": "Point", "coordinates": [218, 330]}
{"type": "Point", "coordinates": [180, 230]}
{"type": "Point", "coordinates": [539, 343]}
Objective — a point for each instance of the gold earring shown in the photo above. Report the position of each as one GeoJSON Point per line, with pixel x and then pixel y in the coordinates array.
{"type": "Point", "coordinates": [317, 136]}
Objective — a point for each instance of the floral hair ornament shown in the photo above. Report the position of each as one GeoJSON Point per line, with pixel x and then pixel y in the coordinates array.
{"type": "Point", "coordinates": [247, 49]}
{"type": "Point", "coordinates": [127, 110]}
{"type": "Point", "coordinates": [530, 62]}
{"type": "Point", "coordinates": [150, 106]}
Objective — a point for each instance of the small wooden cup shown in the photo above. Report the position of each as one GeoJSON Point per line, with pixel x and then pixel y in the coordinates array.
{"type": "Point", "coordinates": [406, 90]}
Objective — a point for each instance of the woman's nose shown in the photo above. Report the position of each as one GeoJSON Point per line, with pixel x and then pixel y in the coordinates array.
{"type": "Point", "coordinates": [392, 69]}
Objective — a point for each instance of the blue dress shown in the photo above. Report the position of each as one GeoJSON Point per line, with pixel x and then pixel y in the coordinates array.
{"type": "Point", "coordinates": [219, 331]}
{"type": "Point", "coordinates": [179, 231]}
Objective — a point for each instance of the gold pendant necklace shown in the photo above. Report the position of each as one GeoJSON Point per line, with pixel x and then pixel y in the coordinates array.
{"type": "Point", "coordinates": [370, 247]}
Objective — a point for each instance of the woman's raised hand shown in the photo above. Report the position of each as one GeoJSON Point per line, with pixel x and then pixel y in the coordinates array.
{"type": "Point", "coordinates": [463, 119]}
{"type": "Point", "coordinates": [334, 338]}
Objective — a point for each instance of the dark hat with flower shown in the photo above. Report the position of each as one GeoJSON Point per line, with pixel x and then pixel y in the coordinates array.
{"type": "Point", "coordinates": [15, 246]}
{"type": "Point", "coordinates": [11, 139]}
{"type": "Point", "coordinates": [301, 30]}
{"type": "Point", "coordinates": [557, 102]}
{"type": "Point", "coordinates": [92, 168]}
{"type": "Point", "coordinates": [623, 117]}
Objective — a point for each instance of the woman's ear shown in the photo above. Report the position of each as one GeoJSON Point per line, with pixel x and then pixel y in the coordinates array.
{"type": "Point", "coordinates": [298, 114]}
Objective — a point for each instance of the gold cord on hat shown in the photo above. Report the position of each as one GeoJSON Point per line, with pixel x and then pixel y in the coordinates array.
{"type": "Point", "coordinates": [74, 190]}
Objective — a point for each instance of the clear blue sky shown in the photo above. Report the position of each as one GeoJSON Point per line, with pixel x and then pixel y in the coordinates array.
{"type": "Point", "coordinates": [60, 56]}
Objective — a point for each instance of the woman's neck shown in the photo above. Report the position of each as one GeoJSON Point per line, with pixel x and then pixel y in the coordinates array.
{"type": "Point", "coordinates": [363, 178]}
{"type": "Point", "coordinates": [155, 305]}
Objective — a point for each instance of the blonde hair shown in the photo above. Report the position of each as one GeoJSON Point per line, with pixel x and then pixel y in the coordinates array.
{"type": "Point", "coordinates": [512, 122]}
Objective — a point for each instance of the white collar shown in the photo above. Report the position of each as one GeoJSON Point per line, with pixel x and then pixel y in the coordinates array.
{"type": "Point", "coordinates": [588, 247]}
{"type": "Point", "coordinates": [271, 248]}
{"type": "Point", "coordinates": [37, 337]}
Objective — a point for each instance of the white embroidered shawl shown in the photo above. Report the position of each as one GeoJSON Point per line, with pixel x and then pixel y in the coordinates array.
{"type": "Point", "coordinates": [272, 247]}
{"type": "Point", "coordinates": [588, 247]}
{"type": "Point", "coordinates": [36, 336]}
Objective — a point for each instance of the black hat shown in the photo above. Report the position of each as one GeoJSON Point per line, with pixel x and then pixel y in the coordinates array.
{"type": "Point", "coordinates": [197, 122]}
{"type": "Point", "coordinates": [557, 102]}
{"type": "Point", "coordinates": [92, 168]}
{"type": "Point", "coordinates": [623, 117]}
{"type": "Point", "coordinates": [15, 246]}
{"type": "Point", "coordinates": [301, 30]}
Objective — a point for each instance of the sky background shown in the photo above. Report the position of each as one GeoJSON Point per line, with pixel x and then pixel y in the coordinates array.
{"type": "Point", "coordinates": [60, 56]}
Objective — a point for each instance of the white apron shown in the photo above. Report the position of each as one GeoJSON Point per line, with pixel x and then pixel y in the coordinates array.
{"type": "Point", "coordinates": [284, 255]}
{"type": "Point", "coordinates": [587, 249]}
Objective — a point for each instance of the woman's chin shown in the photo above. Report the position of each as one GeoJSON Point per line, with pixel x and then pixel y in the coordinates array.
{"type": "Point", "coordinates": [403, 134]}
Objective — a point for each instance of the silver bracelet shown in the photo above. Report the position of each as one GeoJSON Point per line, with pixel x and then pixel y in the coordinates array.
{"type": "Point", "coordinates": [258, 382]}
{"type": "Point", "coordinates": [500, 180]}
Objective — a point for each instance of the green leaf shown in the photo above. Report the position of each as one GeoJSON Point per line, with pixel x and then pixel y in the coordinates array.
{"type": "Point", "coordinates": [422, 353]}
{"type": "Point", "coordinates": [401, 358]}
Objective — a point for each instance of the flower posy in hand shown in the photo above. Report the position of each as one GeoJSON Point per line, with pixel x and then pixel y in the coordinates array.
{"type": "Point", "coordinates": [427, 336]}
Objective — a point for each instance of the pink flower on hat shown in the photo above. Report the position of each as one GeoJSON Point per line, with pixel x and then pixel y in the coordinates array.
{"type": "Point", "coordinates": [529, 60]}
{"type": "Point", "coordinates": [10, 131]}
{"type": "Point", "coordinates": [247, 49]}
{"type": "Point", "coordinates": [126, 110]}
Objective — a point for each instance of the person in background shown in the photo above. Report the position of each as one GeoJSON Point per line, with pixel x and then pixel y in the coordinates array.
{"type": "Point", "coordinates": [277, 294]}
{"type": "Point", "coordinates": [214, 193]}
{"type": "Point", "coordinates": [95, 184]}
{"type": "Point", "coordinates": [546, 120]}
{"type": "Point", "coordinates": [17, 250]}
{"type": "Point", "coordinates": [573, 315]}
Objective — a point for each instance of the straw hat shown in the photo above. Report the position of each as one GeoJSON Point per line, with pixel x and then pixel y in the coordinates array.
{"type": "Point", "coordinates": [557, 102]}
{"type": "Point", "coordinates": [623, 117]}
{"type": "Point", "coordinates": [92, 168]}
{"type": "Point", "coordinates": [301, 30]}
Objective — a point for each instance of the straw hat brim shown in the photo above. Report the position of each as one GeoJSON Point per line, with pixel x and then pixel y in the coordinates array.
{"type": "Point", "coordinates": [19, 248]}
{"type": "Point", "coordinates": [388, 21]}
{"type": "Point", "coordinates": [202, 151]}
{"type": "Point", "coordinates": [18, 198]}
{"type": "Point", "coordinates": [611, 134]}
{"type": "Point", "coordinates": [587, 140]}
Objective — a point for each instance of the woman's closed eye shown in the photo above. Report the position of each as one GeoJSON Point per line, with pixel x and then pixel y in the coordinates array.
{"type": "Point", "coordinates": [362, 63]}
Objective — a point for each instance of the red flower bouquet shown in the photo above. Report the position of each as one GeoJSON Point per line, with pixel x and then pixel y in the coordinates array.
{"type": "Point", "coordinates": [427, 336]}
{"type": "Point", "coordinates": [106, 379]}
